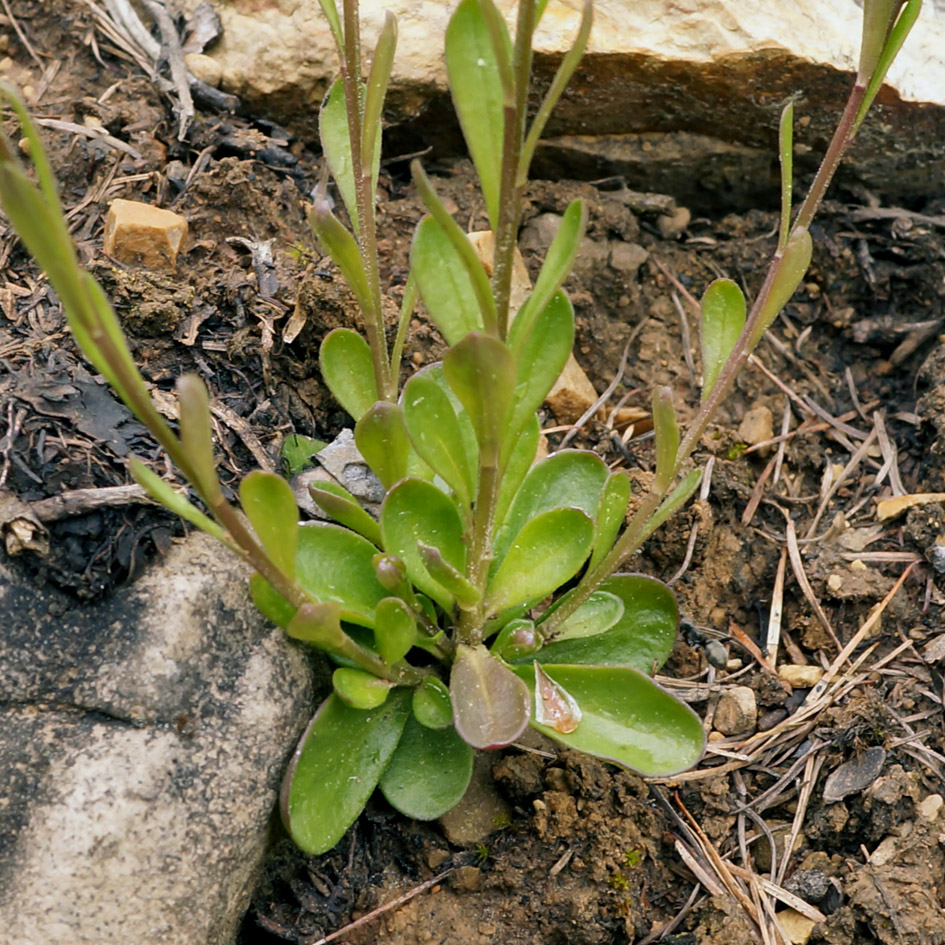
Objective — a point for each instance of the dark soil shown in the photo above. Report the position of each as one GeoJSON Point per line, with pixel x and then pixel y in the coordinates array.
{"type": "Point", "coordinates": [585, 853]}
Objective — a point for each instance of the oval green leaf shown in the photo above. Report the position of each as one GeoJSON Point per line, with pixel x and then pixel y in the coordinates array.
{"type": "Point", "coordinates": [395, 629]}
{"type": "Point", "coordinates": [791, 269]}
{"type": "Point", "coordinates": [598, 613]}
{"type": "Point", "coordinates": [360, 689]}
{"type": "Point", "coordinates": [625, 719]}
{"type": "Point", "coordinates": [381, 438]}
{"type": "Point", "coordinates": [611, 514]}
{"type": "Point", "coordinates": [431, 703]}
{"type": "Point", "coordinates": [348, 370]}
{"type": "Point", "coordinates": [723, 318]}
{"type": "Point", "coordinates": [337, 764]}
{"type": "Point", "coordinates": [428, 773]}
{"type": "Point", "coordinates": [270, 506]}
{"type": "Point", "coordinates": [344, 508]}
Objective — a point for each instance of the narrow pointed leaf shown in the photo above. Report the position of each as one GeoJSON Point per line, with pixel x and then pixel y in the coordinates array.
{"type": "Point", "coordinates": [548, 551]}
{"type": "Point", "coordinates": [601, 611]}
{"type": "Point", "coordinates": [437, 436]}
{"type": "Point", "coordinates": [336, 766]}
{"type": "Point", "coordinates": [791, 270]}
{"type": "Point", "coordinates": [555, 707]}
{"type": "Point", "coordinates": [481, 371]}
{"type": "Point", "coordinates": [416, 512]}
{"type": "Point", "coordinates": [723, 318]}
{"type": "Point", "coordinates": [431, 703]}
{"type": "Point", "coordinates": [611, 514]}
{"type": "Point", "coordinates": [642, 637]}
{"type": "Point", "coordinates": [673, 502]}
{"type": "Point", "coordinates": [428, 773]}
{"type": "Point", "coordinates": [162, 492]}
{"type": "Point", "coordinates": [334, 22]}
{"type": "Point", "coordinates": [344, 508]}
{"type": "Point", "coordinates": [666, 431]}
{"type": "Point", "coordinates": [196, 434]}
{"type": "Point", "coordinates": [360, 689]}
{"type": "Point", "coordinates": [895, 37]}
{"type": "Point", "coordinates": [519, 461]}
{"type": "Point", "coordinates": [343, 249]}
{"type": "Point", "coordinates": [395, 629]}
{"type": "Point", "coordinates": [572, 478]}
{"type": "Point", "coordinates": [378, 79]}
{"type": "Point", "coordinates": [381, 438]}
{"type": "Point", "coordinates": [270, 506]}
{"type": "Point", "coordinates": [786, 159]}
{"type": "Point", "coordinates": [554, 270]}
{"type": "Point", "coordinates": [466, 594]}
{"type": "Point", "coordinates": [476, 85]}
{"type": "Point", "coordinates": [626, 719]}
{"type": "Point", "coordinates": [490, 703]}
{"type": "Point", "coordinates": [348, 370]}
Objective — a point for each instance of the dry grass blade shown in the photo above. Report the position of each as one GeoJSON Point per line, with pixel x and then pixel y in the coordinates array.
{"type": "Point", "coordinates": [797, 565]}
{"type": "Point", "coordinates": [773, 635]}
{"type": "Point", "coordinates": [21, 35]}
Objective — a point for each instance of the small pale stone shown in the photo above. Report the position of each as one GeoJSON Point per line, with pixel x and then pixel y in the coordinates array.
{"type": "Point", "coordinates": [757, 426]}
{"type": "Point", "coordinates": [885, 852]}
{"type": "Point", "coordinates": [204, 68]}
{"type": "Point", "coordinates": [139, 233]}
{"type": "Point", "coordinates": [627, 258]}
{"type": "Point", "coordinates": [671, 225]}
{"type": "Point", "coordinates": [800, 677]}
{"type": "Point", "coordinates": [930, 807]}
{"type": "Point", "coordinates": [835, 582]}
{"type": "Point", "coordinates": [737, 711]}
{"type": "Point", "coordinates": [797, 927]}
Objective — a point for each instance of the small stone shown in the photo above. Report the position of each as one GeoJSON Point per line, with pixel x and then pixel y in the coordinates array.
{"type": "Point", "coordinates": [671, 225]}
{"type": "Point", "coordinates": [204, 68]}
{"type": "Point", "coordinates": [437, 857]}
{"type": "Point", "coordinates": [772, 718]}
{"type": "Point", "coordinates": [480, 809]}
{"type": "Point", "coordinates": [885, 852]}
{"type": "Point", "coordinates": [737, 711]}
{"type": "Point", "coordinates": [626, 258]}
{"type": "Point", "coordinates": [797, 927]}
{"type": "Point", "coordinates": [854, 775]}
{"type": "Point", "coordinates": [137, 232]}
{"type": "Point", "coordinates": [934, 650]}
{"type": "Point", "coordinates": [466, 878]}
{"type": "Point", "coordinates": [757, 426]}
{"type": "Point", "coordinates": [835, 582]}
{"type": "Point", "coordinates": [810, 885]}
{"type": "Point", "coordinates": [487, 928]}
{"type": "Point", "coordinates": [800, 677]}
{"type": "Point", "coordinates": [930, 807]}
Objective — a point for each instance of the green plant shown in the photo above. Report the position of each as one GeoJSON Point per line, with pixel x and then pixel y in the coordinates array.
{"type": "Point", "coordinates": [486, 597]}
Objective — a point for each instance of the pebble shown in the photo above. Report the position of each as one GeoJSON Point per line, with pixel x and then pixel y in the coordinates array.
{"type": "Point", "coordinates": [797, 927]}
{"type": "Point", "coordinates": [930, 807]}
{"type": "Point", "coordinates": [137, 232]}
{"type": "Point", "coordinates": [810, 885]}
{"type": "Point", "coordinates": [800, 677]}
{"type": "Point", "coordinates": [627, 258]}
{"type": "Point", "coordinates": [757, 426]}
{"type": "Point", "coordinates": [671, 225]}
{"type": "Point", "coordinates": [737, 711]}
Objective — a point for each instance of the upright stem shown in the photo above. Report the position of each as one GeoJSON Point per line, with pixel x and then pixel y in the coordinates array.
{"type": "Point", "coordinates": [478, 554]}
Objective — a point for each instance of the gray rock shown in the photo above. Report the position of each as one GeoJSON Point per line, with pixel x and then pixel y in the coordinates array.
{"type": "Point", "coordinates": [854, 775]}
{"type": "Point", "coordinates": [142, 742]}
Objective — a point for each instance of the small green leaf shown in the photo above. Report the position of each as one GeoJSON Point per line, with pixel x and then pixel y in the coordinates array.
{"type": "Point", "coordinates": [378, 78]}
{"type": "Point", "coordinates": [540, 359]}
{"type": "Point", "coordinates": [343, 249]}
{"type": "Point", "coordinates": [790, 271]}
{"type": "Point", "coordinates": [437, 436]}
{"type": "Point", "coordinates": [786, 160]}
{"type": "Point", "coordinates": [481, 371]}
{"type": "Point", "coordinates": [196, 434]}
{"type": "Point", "coordinates": [548, 551]}
{"type": "Point", "coordinates": [490, 703]}
{"type": "Point", "coordinates": [641, 637]}
{"type": "Point", "coordinates": [897, 31]}
{"type": "Point", "coordinates": [625, 719]}
{"type": "Point", "coordinates": [359, 689]}
{"type": "Point", "coordinates": [334, 22]}
{"type": "Point", "coordinates": [428, 773]}
{"type": "Point", "coordinates": [417, 512]}
{"type": "Point", "coordinates": [270, 506]}
{"type": "Point", "coordinates": [320, 625]}
{"type": "Point", "coordinates": [348, 370]}
{"type": "Point", "coordinates": [554, 270]}
{"type": "Point", "coordinates": [344, 508]}
{"type": "Point", "coordinates": [476, 85]}
{"type": "Point", "coordinates": [160, 491]}
{"type": "Point", "coordinates": [337, 764]}
{"type": "Point", "coordinates": [517, 640]}
{"type": "Point", "coordinates": [598, 613]}
{"type": "Point", "coordinates": [395, 629]}
{"type": "Point", "coordinates": [567, 478]}
{"type": "Point", "coordinates": [269, 602]}
{"type": "Point", "coordinates": [334, 564]}
{"type": "Point", "coordinates": [666, 431]}
{"type": "Point", "coordinates": [298, 452]}
{"type": "Point", "coordinates": [466, 594]}
{"type": "Point", "coordinates": [520, 460]}
{"type": "Point", "coordinates": [673, 502]}
{"type": "Point", "coordinates": [611, 514]}
{"type": "Point", "coordinates": [431, 703]}
{"type": "Point", "coordinates": [723, 318]}
{"type": "Point", "coordinates": [381, 438]}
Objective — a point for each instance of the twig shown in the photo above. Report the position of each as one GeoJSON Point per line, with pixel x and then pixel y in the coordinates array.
{"type": "Point", "coordinates": [97, 134]}
{"type": "Point", "coordinates": [80, 501]}
{"type": "Point", "coordinates": [175, 59]}
{"type": "Point", "coordinates": [773, 635]}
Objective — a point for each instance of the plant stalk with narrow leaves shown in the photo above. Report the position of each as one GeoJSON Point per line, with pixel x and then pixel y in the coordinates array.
{"type": "Point", "coordinates": [487, 595]}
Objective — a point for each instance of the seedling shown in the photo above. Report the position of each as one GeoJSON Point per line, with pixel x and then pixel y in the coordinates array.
{"type": "Point", "coordinates": [486, 597]}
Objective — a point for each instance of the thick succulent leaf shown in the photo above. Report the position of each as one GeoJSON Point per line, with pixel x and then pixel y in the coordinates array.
{"type": "Point", "coordinates": [444, 282]}
{"type": "Point", "coordinates": [270, 506]}
{"type": "Point", "coordinates": [381, 438]}
{"type": "Point", "coordinates": [481, 371]}
{"type": "Point", "coordinates": [516, 640]}
{"type": "Point", "coordinates": [344, 508]}
{"type": "Point", "coordinates": [548, 551]}
{"type": "Point", "coordinates": [611, 514]}
{"type": "Point", "coordinates": [625, 718]}
{"type": "Point", "coordinates": [336, 766]}
{"type": "Point", "coordinates": [437, 436]}
{"type": "Point", "coordinates": [416, 512]}
{"type": "Point", "coordinates": [554, 270]}
{"type": "Point", "coordinates": [348, 370]}
{"type": "Point", "coordinates": [791, 270]}
{"type": "Point", "coordinates": [517, 465]}
{"type": "Point", "coordinates": [334, 564]}
{"type": "Point", "coordinates": [395, 629]}
{"type": "Point", "coordinates": [360, 689]}
{"type": "Point", "coordinates": [428, 773]}
{"type": "Point", "coordinates": [723, 318]}
{"type": "Point", "coordinates": [162, 492]}
{"type": "Point", "coordinates": [490, 703]}
{"type": "Point", "coordinates": [476, 86]}
{"type": "Point", "coordinates": [598, 613]}
{"type": "Point", "coordinates": [567, 478]}
{"type": "Point", "coordinates": [641, 637]}
{"type": "Point", "coordinates": [666, 432]}
{"type": "Point", "coordinates": [541, 357]}
{"type": "Point", "coordinates": [431, 703]}
{"type": "Point", "coordinates": [320, 625]}
{"type": "Point", "coordinates": [466, 594]}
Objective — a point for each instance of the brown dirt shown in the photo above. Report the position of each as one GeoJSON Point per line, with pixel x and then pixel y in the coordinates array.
{"type": "Point", "coordinates": [587, 854]}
